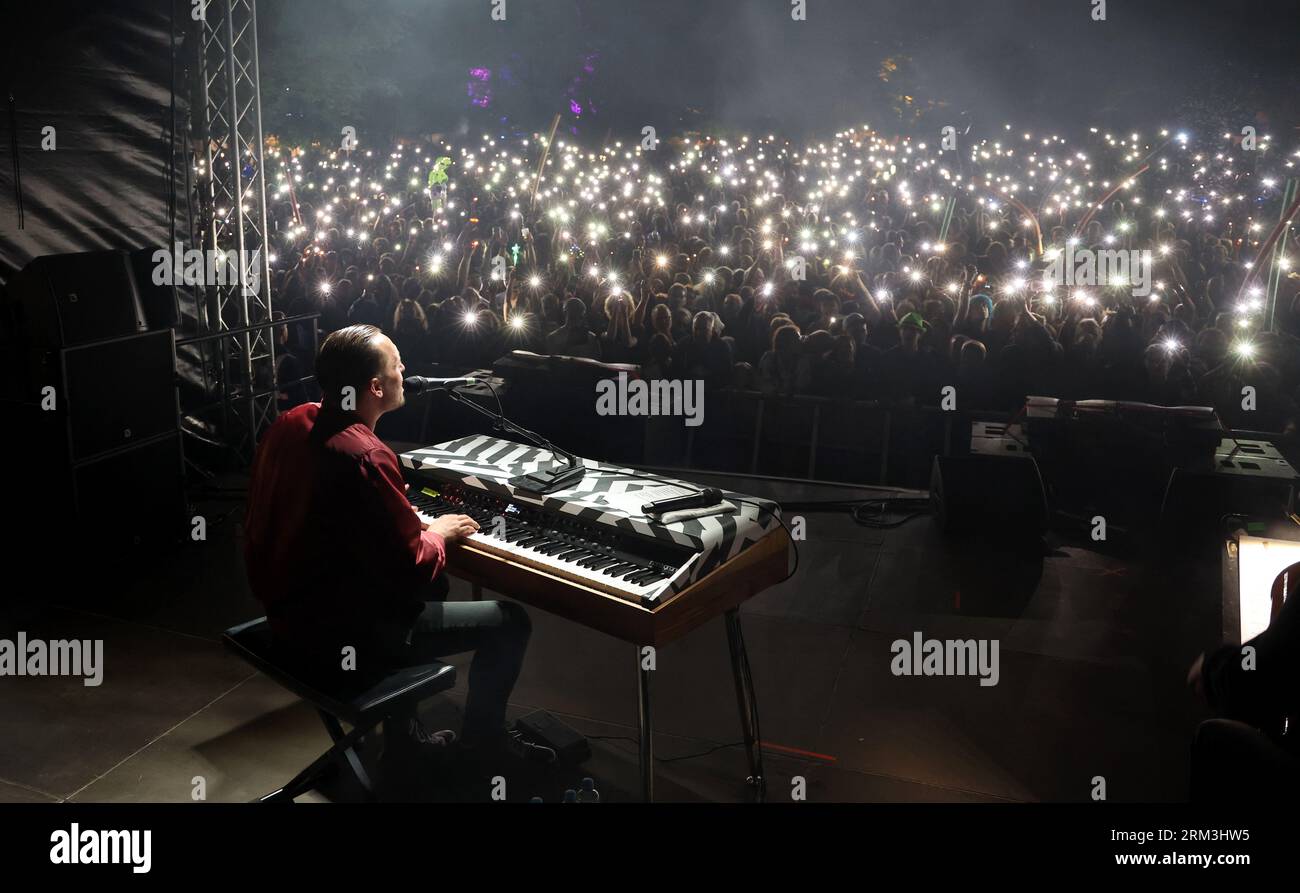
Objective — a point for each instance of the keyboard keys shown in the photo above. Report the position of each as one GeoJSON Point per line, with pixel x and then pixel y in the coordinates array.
{"type": "Point", "coordinates": [562, 547]}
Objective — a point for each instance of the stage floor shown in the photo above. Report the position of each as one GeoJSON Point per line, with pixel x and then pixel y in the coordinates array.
{"type": "Point", "coordinates": [1094, 649]}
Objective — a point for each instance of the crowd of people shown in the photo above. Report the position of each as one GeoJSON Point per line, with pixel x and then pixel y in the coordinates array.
{"type": "Point", "coordinates": [862, 267]}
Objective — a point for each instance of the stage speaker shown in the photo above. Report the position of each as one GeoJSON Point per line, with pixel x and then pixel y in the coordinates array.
{"type": "Point", "coordinates": [134, 498]}
{"type": "Point", "coordinates": [1260, 483]}
{"type": "Point", "coordinates": [159, 303]}
{"type": "Point", "coordinates": [65, 300]}
{"type": "Point", "coordinates": [111, 394]}
{"type": "Point", "coordinates": [998, 496]}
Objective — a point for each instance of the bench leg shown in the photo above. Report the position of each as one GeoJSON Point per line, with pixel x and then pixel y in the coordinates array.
{"type": "Point", "coordinates": [303, 782]}
{"type": "Point", "coordinates": [344, 750]}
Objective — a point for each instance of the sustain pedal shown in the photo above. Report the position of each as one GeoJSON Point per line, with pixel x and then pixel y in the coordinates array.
{"type": "Point", "coordinates": [540, 727]}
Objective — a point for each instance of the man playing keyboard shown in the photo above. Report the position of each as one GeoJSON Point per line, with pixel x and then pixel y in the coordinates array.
{"type": "Point", "coordinates": [339, 558]}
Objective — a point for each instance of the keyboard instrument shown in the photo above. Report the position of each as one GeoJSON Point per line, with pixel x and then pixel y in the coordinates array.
{"type": "Point", "coordinates": [589, 554]}
{"type": "Point", "coordinates": [585, 552]}
{"type": "Point", "coordinates": [591, 535]}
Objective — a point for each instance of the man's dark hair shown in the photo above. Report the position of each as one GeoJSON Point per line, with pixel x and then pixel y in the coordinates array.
{"type": "Point", "coordinates": [349, 356]}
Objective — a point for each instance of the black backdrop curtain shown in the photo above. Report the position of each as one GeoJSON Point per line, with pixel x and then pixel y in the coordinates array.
{"type": "Point", "coordinates": [100, 72]}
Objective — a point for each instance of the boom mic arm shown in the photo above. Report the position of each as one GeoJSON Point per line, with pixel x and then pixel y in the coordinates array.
{"type": "Point", "coordinates": [542, 481]}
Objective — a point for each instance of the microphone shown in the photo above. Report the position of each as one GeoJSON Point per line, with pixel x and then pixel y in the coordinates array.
{"type": "Point", "coordinates": [419, 384]}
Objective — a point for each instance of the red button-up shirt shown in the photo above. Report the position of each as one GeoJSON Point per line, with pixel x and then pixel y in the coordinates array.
{"type": "Point", "coordinates": [331, 544]}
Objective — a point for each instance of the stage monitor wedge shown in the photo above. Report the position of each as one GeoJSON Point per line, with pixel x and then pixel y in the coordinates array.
{"type": "Point", "coordinates": [995, 496]}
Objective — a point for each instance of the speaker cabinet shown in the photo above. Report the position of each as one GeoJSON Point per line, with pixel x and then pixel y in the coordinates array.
{"type": "Point", "coordinates": [113, 394]}
{"type": "Point", "coordinates": [996, 496]}
{"type": "Point", "coordinates": [158, 303]}
{"type": "Point", "coordinates": [65, 300]}
{"type": "Point", "coordinates": [135, 498]}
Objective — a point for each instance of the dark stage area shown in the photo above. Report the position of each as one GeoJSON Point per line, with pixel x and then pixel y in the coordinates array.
{"type": "Point", "coordinates": [1095, 649]}
{"type": "Point", "coordinates": [883, 409]}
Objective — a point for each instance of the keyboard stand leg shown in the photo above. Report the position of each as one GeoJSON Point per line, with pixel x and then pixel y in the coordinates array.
{"type": "Point", "coordinates": [647, 730]}
{"type": "Point", "coordinates": [476, 592]}
{"type": "Point", "coordinates": [748, 705]}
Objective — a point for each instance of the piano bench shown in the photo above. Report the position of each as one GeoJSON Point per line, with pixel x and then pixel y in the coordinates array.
{"type": "Point", "coordinates": [362, 700]}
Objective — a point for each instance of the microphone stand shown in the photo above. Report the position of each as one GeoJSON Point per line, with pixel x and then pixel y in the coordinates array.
{"type": "Point", "coordinates": [544, 480]}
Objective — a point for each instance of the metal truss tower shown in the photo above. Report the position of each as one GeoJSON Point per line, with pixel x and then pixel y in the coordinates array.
{"type": "Point", "coordinates": [235, 220]}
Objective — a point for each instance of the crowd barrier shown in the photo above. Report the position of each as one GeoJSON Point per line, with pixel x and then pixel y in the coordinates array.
{"type": "Point", "coordinates": [741, 432]}
{"type": "Point", "coordinates": [747, 432]}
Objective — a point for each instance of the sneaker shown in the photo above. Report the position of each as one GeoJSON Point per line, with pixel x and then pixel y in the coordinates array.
{"type": "Point", "coordinates": [420, 735]}
{"type": "Point", "coordinates": [418, 745]}
{"type": "Point", "coordinates": [511, 745]}
{"type": "Point", "coordinates": [518, 746]}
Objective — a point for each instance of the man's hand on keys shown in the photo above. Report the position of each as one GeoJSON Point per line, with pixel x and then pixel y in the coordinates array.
{"type": "Point", "coordinates": [453, 527]}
